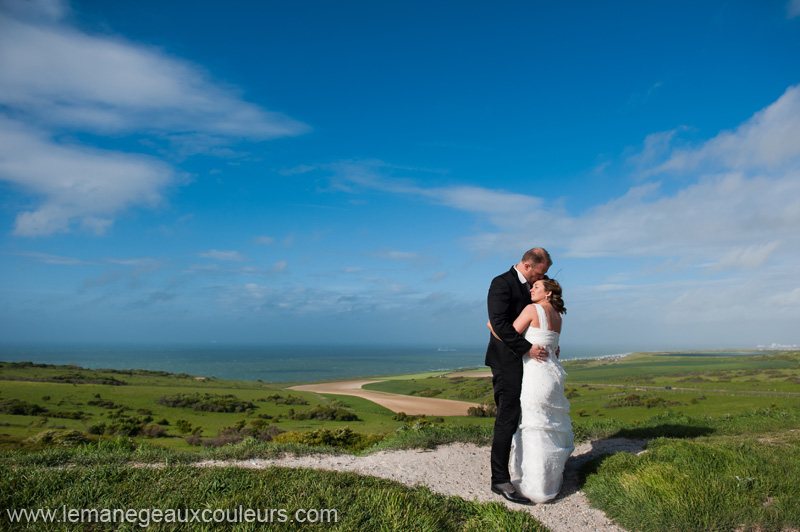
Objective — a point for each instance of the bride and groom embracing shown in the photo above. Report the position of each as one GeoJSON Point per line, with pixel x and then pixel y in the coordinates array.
{"type": "Point", "coordinates": [525, 309]}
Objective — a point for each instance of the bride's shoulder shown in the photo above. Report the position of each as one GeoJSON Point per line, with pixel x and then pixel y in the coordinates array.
{"type": "Point", "coordinates": [531, 314]}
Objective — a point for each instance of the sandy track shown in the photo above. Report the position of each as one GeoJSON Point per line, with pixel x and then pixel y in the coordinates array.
{"type": "Point", "coordinates": [428, 406]}
{"type": "Point", "coordinates": [462, 469]}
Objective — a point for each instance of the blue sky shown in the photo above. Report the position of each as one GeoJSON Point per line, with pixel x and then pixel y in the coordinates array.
{"type": "Point", "coordinates": [357, 172]}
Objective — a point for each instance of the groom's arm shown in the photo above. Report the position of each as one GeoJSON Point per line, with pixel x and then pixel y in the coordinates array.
{"type": "Point", "coordinates": [499, 304]}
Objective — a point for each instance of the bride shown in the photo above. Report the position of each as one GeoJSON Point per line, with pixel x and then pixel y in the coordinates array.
{"type": "Point", "coordinates": [544, 439]}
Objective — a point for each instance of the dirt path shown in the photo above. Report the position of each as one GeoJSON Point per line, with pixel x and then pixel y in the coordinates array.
{"type": "Point", "coordinates": [463, 470]}
{"type": "Point", "coordinates": [416, 406]}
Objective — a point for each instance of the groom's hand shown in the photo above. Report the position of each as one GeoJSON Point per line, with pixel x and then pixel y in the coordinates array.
{"type": "Point", "coordinates": [538, 353]}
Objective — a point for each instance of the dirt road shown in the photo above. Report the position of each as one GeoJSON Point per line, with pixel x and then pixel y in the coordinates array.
{"type": "Point", "coordinates": [416, 406]}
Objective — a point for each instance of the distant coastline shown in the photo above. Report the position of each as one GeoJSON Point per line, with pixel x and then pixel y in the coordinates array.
{"type": "Point", "coordinates": [279, 364]}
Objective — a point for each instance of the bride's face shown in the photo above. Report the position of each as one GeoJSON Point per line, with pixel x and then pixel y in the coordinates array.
{"type": "Point", "coordinates": [538, 293]}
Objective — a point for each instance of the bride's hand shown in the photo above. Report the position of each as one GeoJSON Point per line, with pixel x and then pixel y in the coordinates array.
{"type": "Point", "coordinates": [538, 353]}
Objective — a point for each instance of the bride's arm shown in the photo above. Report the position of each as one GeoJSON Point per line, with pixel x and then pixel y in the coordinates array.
{"type": "Point", "coordinates": [527, 318]}
{"type": "Point", "coordinates": [521, 323]}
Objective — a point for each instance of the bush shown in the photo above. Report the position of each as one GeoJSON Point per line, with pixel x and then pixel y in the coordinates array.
{"type": "Point", "coordinates": [482, 411]}
{"type": "Point", "coordinates": [78, 414]}
{"type": "Point", "coordinates": [18, 407]}
{"type": "Point", "coordinates": [98, 429]}
{"type": "Point", "coordinates": [341, 438]}
{"type": "Point", "coordinates": [106, 403]}
{"type": "Point", "coordinates": [324, 413]}
{"type": "Point", "coordinates": [154, 431]}
{"type": "Point", "coordinates": [66, 438]}
{"type": "Point", "coordinates": [631, 399]}
{"type": "Point", "coordinates": [257, 430]}
{"type": "Point", "coordinates": [207, 402]}
{"type": "Point", "coordinates": [429, 392]}
{"type": "Point", "coordinates": [287, 400]}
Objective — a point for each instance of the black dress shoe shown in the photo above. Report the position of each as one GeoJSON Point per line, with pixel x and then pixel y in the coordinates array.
{"type": "Point", "coordinates": [508, 491]}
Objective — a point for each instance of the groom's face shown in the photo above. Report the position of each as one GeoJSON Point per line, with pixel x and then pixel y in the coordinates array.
{"type": "Point", "coordinates": [534, 272]}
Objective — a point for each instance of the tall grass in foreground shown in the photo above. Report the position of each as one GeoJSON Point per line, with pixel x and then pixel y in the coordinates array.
{"type": "Point", "coordinates": [713, 485]}
{"type": "Point", "coordinates": [360, 503]}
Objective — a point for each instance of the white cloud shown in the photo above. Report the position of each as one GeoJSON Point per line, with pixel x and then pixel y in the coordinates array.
{"type": "Point", "coordinates": [101, 83]}
{"type": "Point", "coordinates": [264, 240]}
{"type": "Point", "coordinates": [486, 201]}
{"type": "Point", "coordinates": [786, 299]}
{"type": "Point", "coordinates": [37, 9]}
{"type": "Point", "coordinates": [279, 266]}
{"type": "Point", "coordinates": [438, 276]}
{"type": "Point", "coordinates": [746, 257]}
{"type": "Point", "coordinates": [48, 258]}
{"type": "Point", "coordinates": [216, 254]}
{"type": "Point", "coordinates": [76, 185]}
{"type": "Point", "coordinates": [738, 206]}
{"type": "Point", "coordinates": [792, 8]}
{"type": "Point", "coordinates": [58, 79]}
{"type": "Point", "coordinates": [765, 142]}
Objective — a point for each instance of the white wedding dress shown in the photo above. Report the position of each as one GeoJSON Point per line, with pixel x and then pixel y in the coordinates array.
{"type": "Point", "coordinates": [544, 439]}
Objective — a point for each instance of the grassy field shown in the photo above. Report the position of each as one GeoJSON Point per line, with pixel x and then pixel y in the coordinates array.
{"type": "Point", "coordinates": [723, 455]}
{"type": "Point", "coordinates": [72, 398]}
{"type": "Point", "coordinates": [277, 499]}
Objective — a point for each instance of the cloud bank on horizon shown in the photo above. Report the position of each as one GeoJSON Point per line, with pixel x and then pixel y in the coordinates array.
{"type": "Point", "coordinates": [341, 193]}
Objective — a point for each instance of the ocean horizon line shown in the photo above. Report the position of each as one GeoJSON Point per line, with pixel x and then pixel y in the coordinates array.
{"type": "Point", "coordinates": [281, 364]}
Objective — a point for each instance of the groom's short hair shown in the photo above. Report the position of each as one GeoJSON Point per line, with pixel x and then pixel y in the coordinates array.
{"type": "Point", "coordinates": [537, 256]}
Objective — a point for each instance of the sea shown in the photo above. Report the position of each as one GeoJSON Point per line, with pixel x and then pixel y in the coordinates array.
{"type": "Point", "coordinates": [278, 364]}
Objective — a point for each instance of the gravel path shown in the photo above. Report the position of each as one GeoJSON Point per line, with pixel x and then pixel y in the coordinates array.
{"type": "Point", "coordinates": [463, 470]}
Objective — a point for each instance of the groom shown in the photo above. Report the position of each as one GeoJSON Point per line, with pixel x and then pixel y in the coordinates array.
{"type": "Point", "coordinates": [508, 295]}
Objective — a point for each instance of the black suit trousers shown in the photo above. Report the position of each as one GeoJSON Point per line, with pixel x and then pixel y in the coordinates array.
{"type": "Point", "coordinates": [507, 386]}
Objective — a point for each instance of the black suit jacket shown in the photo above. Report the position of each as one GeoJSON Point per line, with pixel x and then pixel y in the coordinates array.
{"type": "Point", "coordinates": [507, 297]}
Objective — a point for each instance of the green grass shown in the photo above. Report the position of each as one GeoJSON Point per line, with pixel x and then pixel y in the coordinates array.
{"type": "Point", "coordinates": [470, 389]}
{"type": "Point", "coordinates": [359, 503]}
{"type": "Point", "coordinates": [719, 460]}
{"type": "Point", "coordinates": [719, 484]}
{"type": "Point", "coordinates": [141, 391]}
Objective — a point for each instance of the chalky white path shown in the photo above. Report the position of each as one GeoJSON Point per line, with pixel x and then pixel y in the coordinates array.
{"type": "Point", "coordinates": [463, 470]}
{"type": "Point", "coordinates": [415, 406]}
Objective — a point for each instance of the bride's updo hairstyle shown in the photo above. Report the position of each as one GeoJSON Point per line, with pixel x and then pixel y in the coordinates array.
{"type": "Point", "coordinates": [551, 285]}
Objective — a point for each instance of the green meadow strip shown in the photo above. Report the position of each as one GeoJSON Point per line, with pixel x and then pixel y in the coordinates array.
{"type": "Point", "coordinates": [272, 498]}
{"type": "Point", "coordinates": [723, 484]}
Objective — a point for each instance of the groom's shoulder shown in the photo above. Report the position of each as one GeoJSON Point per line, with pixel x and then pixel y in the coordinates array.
{"type": "Point", "coordinates": [508, 274]}
{"type": "Point", "coordinates": [505, 277]}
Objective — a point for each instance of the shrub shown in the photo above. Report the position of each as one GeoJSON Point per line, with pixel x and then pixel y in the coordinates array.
{"type": "Point", "coordinates": [429, 392]}
{"type": "Point", "coordinates": [194, 439]}
{"type": "Point", "coordinates": [98, 428]}
{"type": "Point", "coordinates": [257, 430]}
{"type": "Point", "coordinates": [78, 414]}
{"type": "Point", "coordinates": [482, 411]}
{"type": "Point", "coordinates": [631, 399]}
{"type": "Point", "coordinates": [324, 413]}
{"type": "Point", "coordinates": [154, 431]}
{"type": "Point", "coordinates": [184, 427]}
{"type": "Point", "coordinates": [18, 407]}
{"type": "Point", "coordinates": [125, 426]}
{"type": "Point", "coordinates": [284, 400]}
{"type": "Point", "coordinates": [207, 402]}
{"type": "Point", "coordinates": [65, 438]}
{"type": "Point", "coordinates": [343, 438]}
{"type": "Point", "coordinates": [572, 393]}
{"type": "Point", "coordinates": [106, 403]}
